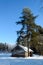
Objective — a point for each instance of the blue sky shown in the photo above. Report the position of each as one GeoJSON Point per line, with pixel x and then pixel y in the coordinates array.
{"type": "Point", "coordinates": [10, 11]}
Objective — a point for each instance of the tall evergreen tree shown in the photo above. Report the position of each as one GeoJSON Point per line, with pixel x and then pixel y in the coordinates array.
{"type": "Point", "coordinates": [27, 23]}
{"type": "Point", "coordinates": [29, 33]}
{"type": "Point", "coordinates": [28, 27]}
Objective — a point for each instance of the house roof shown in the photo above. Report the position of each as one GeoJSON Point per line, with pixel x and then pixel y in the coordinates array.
{"type": "Point", "coordinates": [25, 48]}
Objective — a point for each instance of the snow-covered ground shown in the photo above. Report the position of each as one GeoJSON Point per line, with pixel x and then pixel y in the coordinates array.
{"type": "Point", "coordinates": [39, 57]}
{"type": "Point", "coordinates": [35, 57]}
{"type": "Point", "coordinates": [7, 56]}
{"type": "Point", "coordinates": [19, 61]}
{"type": "Point", "coordinates": [5, 59]}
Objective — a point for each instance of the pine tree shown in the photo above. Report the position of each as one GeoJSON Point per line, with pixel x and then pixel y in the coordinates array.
{"type": "Point", "coordinates": [28, 27]}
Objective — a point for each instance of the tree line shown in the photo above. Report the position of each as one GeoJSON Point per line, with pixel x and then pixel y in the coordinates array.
{"type": "Point", "coordinates": [4, 47]}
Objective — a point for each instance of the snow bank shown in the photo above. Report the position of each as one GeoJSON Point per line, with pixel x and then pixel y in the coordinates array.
{"type": "Point", "coordinates": [39, 57]}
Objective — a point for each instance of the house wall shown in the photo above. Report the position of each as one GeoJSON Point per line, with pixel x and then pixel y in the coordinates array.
{"type": "Point", "coordinates": [26, 54]}
{"type": "Point", "coordinates": [30, 54]}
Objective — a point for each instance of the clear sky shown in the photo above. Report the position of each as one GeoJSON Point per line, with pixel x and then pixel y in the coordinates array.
{"type": "Point", "coordinates": [10, 11]}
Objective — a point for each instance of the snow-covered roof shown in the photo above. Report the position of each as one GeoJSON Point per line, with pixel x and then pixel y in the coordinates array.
{"type": "Point", "coordinates": [25, 48]}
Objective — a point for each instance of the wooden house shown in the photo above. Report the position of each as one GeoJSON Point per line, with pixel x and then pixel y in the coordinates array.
{"type": "Point", "coordinates": [21, 51]}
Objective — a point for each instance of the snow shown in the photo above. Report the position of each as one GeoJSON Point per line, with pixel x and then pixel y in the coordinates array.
{"type": "Point", "coordinates": [25, 48]}
{"type": "Point", "coordinates": [8, 57]}
{"type": "Point", "coordinates": [35, 57]}
{"type": "Point", "coordinates": [20, 61]}
{"type": "Point", "coordinates": [40, 57]}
